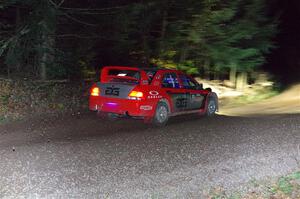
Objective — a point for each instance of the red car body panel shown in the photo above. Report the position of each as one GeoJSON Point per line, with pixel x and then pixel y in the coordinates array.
{"type": "Point", "coordinates": [135, 92]}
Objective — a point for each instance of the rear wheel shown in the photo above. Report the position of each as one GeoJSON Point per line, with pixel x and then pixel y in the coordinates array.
{"type": "Point", "coordinates": [161, 114]}
{"type": "Point", "coordinates": [211, 107]}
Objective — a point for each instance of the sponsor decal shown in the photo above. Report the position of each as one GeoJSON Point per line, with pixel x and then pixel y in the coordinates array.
{"type": "Point", "coordinates": [154, 96]}
{"type": "Point", "coordinates": [181, 103]}
{"type": "Point", "coordinates": [112, 91]}
{"type": "Point", "coordinates": [146, 107]}
{"type": "Point", "coordinates": [153, 93]}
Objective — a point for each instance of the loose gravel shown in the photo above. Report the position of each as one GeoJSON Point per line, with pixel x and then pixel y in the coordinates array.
{"type": "Point", "coordinates": [82, 156]}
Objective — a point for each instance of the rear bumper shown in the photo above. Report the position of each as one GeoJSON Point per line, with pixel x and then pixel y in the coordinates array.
{"type": "Point", "coordinates": [134, 108]}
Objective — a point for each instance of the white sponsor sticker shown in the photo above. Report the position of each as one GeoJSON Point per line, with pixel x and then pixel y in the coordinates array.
{"type": "Point", "coordinates": [146, 107]}
{"type": "Point", "coordinates": [154, 96]}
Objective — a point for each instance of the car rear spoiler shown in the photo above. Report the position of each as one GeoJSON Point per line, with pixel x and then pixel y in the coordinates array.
{"type": "Point", "coordinates": [105, 77]}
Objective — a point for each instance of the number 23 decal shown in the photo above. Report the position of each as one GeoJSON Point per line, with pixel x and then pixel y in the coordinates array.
{"type": "Point", "coordinates": [181, 103]}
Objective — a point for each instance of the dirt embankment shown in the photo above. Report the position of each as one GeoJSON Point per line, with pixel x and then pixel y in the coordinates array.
{"type": "Point", "coordinates": [19, 99]}
{"type": "Point", "coordinates": [287, 102]}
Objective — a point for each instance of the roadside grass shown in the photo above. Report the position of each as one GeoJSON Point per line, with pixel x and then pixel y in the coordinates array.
{"type": "Point", "coordinates": [3, 119]}
{"type": "Point", "coordinates": [286, 187]}
{"type": "Point", "coordinates": [252, 98]}
{"type": "Point", "coordinates": [249, 97]}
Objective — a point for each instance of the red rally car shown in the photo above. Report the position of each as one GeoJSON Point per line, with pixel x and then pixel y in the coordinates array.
{"type": "Point", "coordinates": [150, 94]}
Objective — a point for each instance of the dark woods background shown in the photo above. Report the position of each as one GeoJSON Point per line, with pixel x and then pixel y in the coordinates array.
{"type": "Point", "coordinates": [215, 39]}
{"type": "Point", "coordinates": [284, 61]}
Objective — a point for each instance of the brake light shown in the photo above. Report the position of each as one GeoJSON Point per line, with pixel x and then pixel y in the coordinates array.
{"type": "Point", "coordinates": [136, 95]}
{"type": "Point", "coordinates": [95, 91]}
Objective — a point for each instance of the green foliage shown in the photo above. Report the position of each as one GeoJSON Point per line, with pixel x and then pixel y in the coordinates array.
{"type": "Point", "coordinates": [294, 176]}
{"type": "Point", "coordinates": [188, 67]}
{"type": "Point", "coordinates": [26, 46]}
{"type": "Point", "coordinates": [4, 99]}
{"type": "Point", "coordinates": [285, 186]}
{"type": "Point", "coordinates": [190, 35]}
{"type": "Point", "coordinates": [216, 36]}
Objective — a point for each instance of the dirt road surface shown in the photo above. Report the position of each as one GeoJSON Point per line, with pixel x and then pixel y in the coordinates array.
{"type": "Point", "coordinates": [81, 156]}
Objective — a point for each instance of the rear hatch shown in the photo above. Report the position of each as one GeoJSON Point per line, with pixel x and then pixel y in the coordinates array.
{"type": "Point", "coordinates": [115, 90]}
{"type": "Point", "coordinates": [118, 82]}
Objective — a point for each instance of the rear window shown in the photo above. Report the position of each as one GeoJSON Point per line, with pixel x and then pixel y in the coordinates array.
{"type": "Point", "coordinates": [126, 76]}
{"type": "Point", "coordinates": [125, 73]}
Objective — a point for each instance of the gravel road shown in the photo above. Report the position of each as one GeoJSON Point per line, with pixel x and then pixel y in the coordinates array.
{"type": "Point", "coordinates": [81, 156]}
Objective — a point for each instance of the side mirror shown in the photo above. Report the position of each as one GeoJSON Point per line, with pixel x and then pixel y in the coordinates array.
{"type": "Point", "coordinates": [208, 89]}
{"type": "Point", "coordinates": [199, 87]}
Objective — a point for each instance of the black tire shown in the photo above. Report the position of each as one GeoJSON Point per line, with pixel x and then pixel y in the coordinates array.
{"type": "Point", "coordinates": [211, 107]}
{"type": "Point", "coordinates": [161, 115]}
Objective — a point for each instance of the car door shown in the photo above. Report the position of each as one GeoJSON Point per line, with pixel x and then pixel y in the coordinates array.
{"type": "Point", "coordinates": [177, 95]}
{"type": "Point", "coordinates": [195, 98]}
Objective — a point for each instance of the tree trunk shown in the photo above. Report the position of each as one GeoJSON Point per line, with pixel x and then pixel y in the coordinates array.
{"type": "Point", "coordinates": [146, 56]}
{"type": "Point", "coordinates": [232, 76]}
{"type": "Point", "coordinates": [46, 56]}
{"type": "Point", "coordinates": [183, 54]}
{"type": "Point", "coordinates": [8, 71]}
{"type": "Point", "coordinates": [18, 24]}
{"type": "Point", "coordinates": [216, 75]}
{"type": "Point", "coordinates": [163, 29]}
{"type": "Point", "coordinates": [242, 81]}
{"type": "Point", "coordinates": [207, 69]}
{"type": "Point", "coordinates": [145, 38]}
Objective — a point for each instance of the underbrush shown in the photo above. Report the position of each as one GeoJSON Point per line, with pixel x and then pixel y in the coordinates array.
{"type": "Point", "coordinates": [19, 99]}
{"type": "Point", "coordinates": [286, 187]}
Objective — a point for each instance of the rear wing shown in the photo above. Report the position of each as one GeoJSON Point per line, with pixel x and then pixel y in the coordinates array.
{"type": "Point", "coordinates": [124, 73]}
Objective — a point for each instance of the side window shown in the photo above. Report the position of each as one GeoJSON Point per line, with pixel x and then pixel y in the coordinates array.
{"type": "Point", "coordinates": [187, 82]}
{"type": "Point", "coordinates": [150, 75]}
{"type": "Point", "coordinates": [170, 80]}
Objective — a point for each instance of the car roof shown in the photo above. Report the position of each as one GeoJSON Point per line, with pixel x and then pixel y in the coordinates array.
{"type": "Point", "coordinates": [156, 69]}
{"type": "Point", "coordinates": [160, 69]}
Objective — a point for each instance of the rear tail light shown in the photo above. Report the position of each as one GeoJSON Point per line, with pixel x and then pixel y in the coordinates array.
{"type": "Point", "coordinates": [95, 91]}
{"type": "Point", "coordinates": [136, 95]}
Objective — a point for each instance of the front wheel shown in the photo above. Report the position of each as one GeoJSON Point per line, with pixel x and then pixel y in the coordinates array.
{"type": "Point", "coordinates": [161, 114]}
{"type": "Point", "coordinates": [211, 107]}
